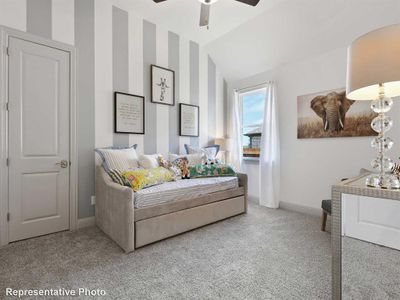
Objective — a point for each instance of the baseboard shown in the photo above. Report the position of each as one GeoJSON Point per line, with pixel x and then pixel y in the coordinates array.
{"type": "Point", "coordinates": [300, 208]}
{"type": "Point", "coordinates": [86, 222]}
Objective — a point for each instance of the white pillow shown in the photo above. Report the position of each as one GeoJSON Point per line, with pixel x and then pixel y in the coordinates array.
{"type": "Point", "coordinates": [193, 159]}
{"type": "Point", "coordinates": [149, 161]}
{"type": "Point", "coordinates": [119, 159]}
{"type": "Point", "coordinates": [210, 151]}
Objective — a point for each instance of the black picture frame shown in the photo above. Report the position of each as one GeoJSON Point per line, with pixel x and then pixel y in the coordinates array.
{"type": "Point", "coordinates": [116, 113]}
{"type": "Point", "coordinates": [180, 119]}
{"type": "Point", "coordinates": [153, 67]}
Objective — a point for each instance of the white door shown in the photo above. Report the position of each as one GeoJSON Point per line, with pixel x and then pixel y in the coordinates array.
{"type": "Point", "coordinates": [39, 97]}
{"type": "Point", "coordinates": [370, 219]}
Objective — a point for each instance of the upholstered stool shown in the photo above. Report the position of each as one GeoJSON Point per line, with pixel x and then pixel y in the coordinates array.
{"type": "Point", "coordinates": [326, 206]}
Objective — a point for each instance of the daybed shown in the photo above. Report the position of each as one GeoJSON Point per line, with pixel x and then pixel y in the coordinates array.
{"type": "Point", "coordinates": [135, 219]}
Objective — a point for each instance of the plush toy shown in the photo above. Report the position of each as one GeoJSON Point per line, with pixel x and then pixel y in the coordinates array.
{"type": "Point", "coordinates": [184, 168]}
{"type": "Point", "coordinates": [212, 161]}
{"type": "Point", "coordinates": [163, 162]}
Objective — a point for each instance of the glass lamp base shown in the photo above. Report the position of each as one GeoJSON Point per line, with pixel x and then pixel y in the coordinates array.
{"type": "Point", "coordinates": [386, 181]}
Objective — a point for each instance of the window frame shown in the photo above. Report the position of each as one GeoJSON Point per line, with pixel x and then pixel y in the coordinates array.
{"type": "Point", "coordinates": [241, 94]}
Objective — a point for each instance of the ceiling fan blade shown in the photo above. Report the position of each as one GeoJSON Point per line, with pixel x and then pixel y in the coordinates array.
{"type": "Point", "coordinates": [204, 15]}
{"type": "Point", "coordinates": [249, 2]}
{"type": "Point", "coordinates": [158, 1]}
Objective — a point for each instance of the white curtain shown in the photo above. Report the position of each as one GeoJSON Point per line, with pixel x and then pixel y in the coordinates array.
{"type": "Point", "coordinates": [269, 185]}
{"type": "Point", "coordinates": [236, 153]}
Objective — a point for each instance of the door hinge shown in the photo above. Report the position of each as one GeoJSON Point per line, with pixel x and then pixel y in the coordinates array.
{"type": "Point", "coordinates": [7, 162]}
{"type": "Point", "coordinates": [8, 217]}
{"type": "Point", "coordinates": [7, 106]}
{"type": "Point", "coordinates": [8, 51]}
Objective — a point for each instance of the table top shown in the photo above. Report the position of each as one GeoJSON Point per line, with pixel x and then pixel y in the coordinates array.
{"type": "Point", "coordinates": [356, 185]}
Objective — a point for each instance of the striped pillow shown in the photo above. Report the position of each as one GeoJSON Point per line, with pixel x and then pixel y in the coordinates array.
{"type": "Point", "coordinates": [117, 177]}
{"type": "Point", "coordinates": [119, 159]}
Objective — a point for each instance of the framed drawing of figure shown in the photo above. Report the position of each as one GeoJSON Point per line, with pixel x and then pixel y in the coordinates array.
{"type": "Point", "coordinates": [162, 85]}
{"type": "Point", "coordinates": [128, 113]}
{"type": "Point", "coordinates": [189, 120]}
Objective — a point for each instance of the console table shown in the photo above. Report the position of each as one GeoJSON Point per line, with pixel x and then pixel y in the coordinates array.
{"type": "Point", "coordinates": [349, 190]}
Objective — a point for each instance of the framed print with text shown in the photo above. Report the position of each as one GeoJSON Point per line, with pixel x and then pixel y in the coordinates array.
{"type": "Point", "coordinates": [128, 113]}
{"type": "Point", "coordinates": [189, 120]}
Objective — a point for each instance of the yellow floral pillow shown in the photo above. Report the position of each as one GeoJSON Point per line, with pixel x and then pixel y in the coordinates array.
{"type": "Point", "coordinates": [142, 178]}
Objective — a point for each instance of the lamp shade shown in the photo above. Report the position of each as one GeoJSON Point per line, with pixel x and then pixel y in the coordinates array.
{"type": "Point", "coordinates": [221, 142]}
{"type": "Point", "coordinates": [374, 59]}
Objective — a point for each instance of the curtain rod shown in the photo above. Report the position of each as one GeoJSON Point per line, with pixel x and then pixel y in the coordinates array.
{"type": "Point", "coordinates": [263, 84]}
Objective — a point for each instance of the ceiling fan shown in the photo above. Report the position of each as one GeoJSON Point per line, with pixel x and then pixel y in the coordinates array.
{"type": "Point", "coordinates": [205, 8]}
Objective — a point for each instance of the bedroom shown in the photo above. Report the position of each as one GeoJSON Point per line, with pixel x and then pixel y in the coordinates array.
{"type": "Point", "coordinates": [147, 74]}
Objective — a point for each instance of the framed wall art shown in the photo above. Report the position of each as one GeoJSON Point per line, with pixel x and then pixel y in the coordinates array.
{"type": "Point", "coordinates": [189, 120]}
{"type": "Point", "coordinates": [330, 114]}
{"type": "Point", "coordinates": [128, 113]}
{"type": "Point", "coordinates": [162, 85]}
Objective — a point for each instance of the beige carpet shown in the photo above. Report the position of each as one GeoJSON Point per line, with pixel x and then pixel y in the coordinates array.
{"type": "Point", "coordinates": [265, 254]}
{"type": "Point", "coordinates": [369, 271]}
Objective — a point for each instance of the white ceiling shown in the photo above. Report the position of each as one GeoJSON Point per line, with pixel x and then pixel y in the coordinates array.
{"type": "Point", "coordinates": [297, 29]}
{"type": "Point", "coordinates": [245, 40]}
{"type": "Point", "coordinates": [182, 16]}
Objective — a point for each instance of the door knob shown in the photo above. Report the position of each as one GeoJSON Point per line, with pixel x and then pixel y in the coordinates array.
{"type": "Point", "coordinates": [63, 164]}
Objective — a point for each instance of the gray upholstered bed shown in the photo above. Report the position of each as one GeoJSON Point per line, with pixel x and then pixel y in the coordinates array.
{"type": "Point", "coordinates": [188, 204]}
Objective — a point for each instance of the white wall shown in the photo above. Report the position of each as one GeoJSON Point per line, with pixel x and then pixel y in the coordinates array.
{"type": "Point", "coordinates": [311, 166]}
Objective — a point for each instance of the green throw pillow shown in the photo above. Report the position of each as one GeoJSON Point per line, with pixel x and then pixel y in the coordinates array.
{"type": "Point", "coordinates": [217, 170]}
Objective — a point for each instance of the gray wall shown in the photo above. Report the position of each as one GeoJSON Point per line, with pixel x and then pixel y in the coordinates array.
{"type": "Point", "coordinates": [84, 42]}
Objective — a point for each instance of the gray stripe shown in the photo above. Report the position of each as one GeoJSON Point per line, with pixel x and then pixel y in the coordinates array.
{"type": "Point", "coordinates": [38, 17]}
{"type": "Point", "coordinates": [225, 108]}
{"type": "Point", "coordinates": [120, 47]}
{"type": "Point", "coordinates": [84, 41]}
{"type": "Point", "coordinates": [149, 57]}
{"type": "Point", "coordinates": [173, 59]}
{"type": "Point", "coordinates": [194, 82]}
{"type": "Point", "coordinates": [212, 101]}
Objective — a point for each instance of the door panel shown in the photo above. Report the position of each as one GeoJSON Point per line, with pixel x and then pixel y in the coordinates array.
{"type": "Point", "coordinates": [32, 109]}
{"type": "Point", "coordinates": [39, 84]}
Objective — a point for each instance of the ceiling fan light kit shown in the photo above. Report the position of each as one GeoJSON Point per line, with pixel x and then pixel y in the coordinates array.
{"type": "Point", "coordinates": [206, 5]}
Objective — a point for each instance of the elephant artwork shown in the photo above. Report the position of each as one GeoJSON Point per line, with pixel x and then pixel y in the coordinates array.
{"type": "Point", "coordinates": [332, 109]}
{"type": "Point", "coordinates": [331, 114]}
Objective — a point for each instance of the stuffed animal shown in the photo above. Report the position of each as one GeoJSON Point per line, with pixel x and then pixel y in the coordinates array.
{"type": "Point", "coordinates": [184, 166]}
{"type": "Point", "coordinates": [163, 162]}
{"type": "Point", "coordinates": [212, 161]}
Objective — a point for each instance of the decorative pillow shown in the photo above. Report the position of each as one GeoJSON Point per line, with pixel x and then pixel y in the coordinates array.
{"type": "Point", "coordinates": [149, 161]}
{"type": "Point", "coordinates": [193, 159]}
{"type": "Point", "coordinates": [140, 179]}
{"type": "Point", "coordinates": [117, 177]}
{"type": "Point", "coordinates": [211, 171]}
{"type": "Point", "coordinates": [210, 151]}
{"type": "Point", "coordinates": [118, 158]}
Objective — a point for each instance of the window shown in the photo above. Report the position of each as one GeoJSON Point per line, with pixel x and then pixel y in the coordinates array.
{"type": "Point", "coordinates": [252, 103]}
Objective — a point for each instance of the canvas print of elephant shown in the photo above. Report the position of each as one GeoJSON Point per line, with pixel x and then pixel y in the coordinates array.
{"type": "Point", "coordinates": [331, 114]}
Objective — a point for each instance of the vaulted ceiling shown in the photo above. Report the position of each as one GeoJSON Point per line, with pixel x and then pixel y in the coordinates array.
{"type": "Point", "coordinates": [182, 16]}
{"type": "Point", "coordinates": [245, 40]}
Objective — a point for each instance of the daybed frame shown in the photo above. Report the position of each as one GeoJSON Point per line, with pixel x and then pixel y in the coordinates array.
{"type": "Point", "coordinates": [132, 228]}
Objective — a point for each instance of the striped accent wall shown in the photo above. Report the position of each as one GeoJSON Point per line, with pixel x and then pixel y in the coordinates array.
{"type": "Point", "coordinates": [38, 17]}
{"type": "Point", "coordinates": [115, 49]}
{"type": "Point", "coordinates": [120, 71]}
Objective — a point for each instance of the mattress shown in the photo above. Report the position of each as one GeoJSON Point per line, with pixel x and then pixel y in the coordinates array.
{"type": "Point", "coordinates": [183, 190]}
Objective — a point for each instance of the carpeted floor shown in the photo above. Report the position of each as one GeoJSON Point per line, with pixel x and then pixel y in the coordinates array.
{"type": "Point", "coordinates": [369, 271]}
{"type": "Point", "coordinates": [265, 254]}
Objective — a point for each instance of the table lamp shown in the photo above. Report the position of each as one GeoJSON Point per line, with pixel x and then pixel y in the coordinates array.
{"type": "Point", "coordinates": [224, 144]}
{"type": "Point", "coordinates": [373, 73]}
